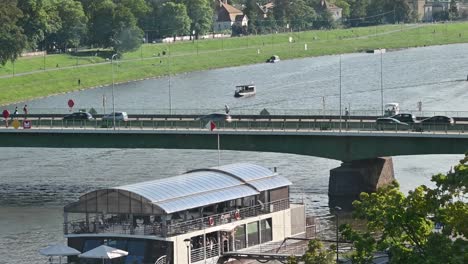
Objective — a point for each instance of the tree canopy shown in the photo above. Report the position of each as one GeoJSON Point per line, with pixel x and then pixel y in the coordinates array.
{"type": "Point", "coordinates": [12, 39]}
{"type": "Point", "coordinates": [426, 226]}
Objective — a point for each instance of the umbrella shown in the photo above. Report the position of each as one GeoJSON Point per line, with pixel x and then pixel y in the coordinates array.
{"type": "Point", "coordinates": [104, 252]}
{"type": "Point", "coordinates": [59, 250]}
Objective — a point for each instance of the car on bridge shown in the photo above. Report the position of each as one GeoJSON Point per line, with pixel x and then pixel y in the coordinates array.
{"type": "Point", "coordinates": [389, 123]}
{"type": "Point", "coordinates": [119, 116]}
{"type": "Point", "coordinates": [82, 116]}
{"type": "Point", "coordinates": [406, 118]}
{"type": "Point", "coordinates": [438, 120]}
{"type": "Point", "coordinates": [215, 117]}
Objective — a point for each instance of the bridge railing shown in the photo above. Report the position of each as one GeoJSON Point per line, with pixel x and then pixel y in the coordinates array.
{"type": "Point", "coordinates": [241, 111]}
{"type": "Point", "coordinates": [257, 124]}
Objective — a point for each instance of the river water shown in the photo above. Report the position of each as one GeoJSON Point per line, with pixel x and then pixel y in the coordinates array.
{"type": "Point", "coordinates": [36, 183]}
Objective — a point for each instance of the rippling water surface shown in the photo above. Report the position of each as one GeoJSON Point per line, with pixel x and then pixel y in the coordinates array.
{"type": "Point", "coordinates": [36, 183]}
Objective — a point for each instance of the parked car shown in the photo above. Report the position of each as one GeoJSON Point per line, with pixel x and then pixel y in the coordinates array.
{"type": "Point", "coordinates": [389, 123]}
{"type": "Point", "coordinates": [119, 116]}
{"type": "Point", "coordinates": [215, 117]}
{"type": "Point", "coordinates": [438, 120]}
{"type": "Point", "coordinates": [78, 116]}
{"type": "Point", "coordinates": [406, 118]}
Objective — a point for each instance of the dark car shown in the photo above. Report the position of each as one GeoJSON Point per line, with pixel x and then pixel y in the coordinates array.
{"type": "Point", "coordinates": [215, 117]}
{"type": "Point", "coordinates": [78, 116]}
{"type": "Point", "coordinates": [406, 118]}
{"type": "Point", "coordinates": [389, 123]}
{"type": "Point", "coordinates": [438, 120]}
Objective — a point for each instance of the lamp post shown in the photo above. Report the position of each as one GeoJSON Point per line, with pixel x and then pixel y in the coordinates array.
{"type": "Point", "coordinates": [113, 84]}
{"type": "Point", "coordinates": [381, 82]}
{"type": "Point", "coordinates": [340, 94]}
{"type": "Point", "coordinates": [337, 209]}
{"type": "Point", "coordinates": [187, 243]}
{"type": "Point", "coordinates": [169, 63]}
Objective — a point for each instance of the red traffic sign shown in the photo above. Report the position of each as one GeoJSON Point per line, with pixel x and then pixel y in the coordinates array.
{"type": "Point", "coordinates": [71, 103]}
{"type": "Point", "coordinates": [26, 124]}
{"type": "Point", "coordinates": [6, 113]}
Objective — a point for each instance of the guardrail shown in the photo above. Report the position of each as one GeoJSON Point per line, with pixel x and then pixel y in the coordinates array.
{"type": "Point", "coordinates": [248, 123]}
{"type": "Point", "coordinates": [240, 111]}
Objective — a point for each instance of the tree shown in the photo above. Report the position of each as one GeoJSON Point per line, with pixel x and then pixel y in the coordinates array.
{"type": "Point", "coordinates": [315, 254]}
{"type": "Point", "coordinates": [40, 18]}
{"type": "Point", "coordinates": [251, 10]}
{"type": "Point", "coordinates": [358, 12]}
{"type": "Point", "coordinates": [127, 36]}
{"type": "Point", "coordinates": [201, 16]}
{"type": "Point", "coordinates": [174, 19]}
{"type": "Point", "coordinates": [100, 23]}
{"type": "Point", "coordinates": [301, 15]}
{"type": "Point", "coordinates": [453, 11]}
{"type": "Point", "coordinates": [405, 224]}
{"type": "Point", "coordinates": [73, 24]}
{"type": "Point", "coordinates": [280, 12]}
{"type": "Point", "coordinates": [12, 39]}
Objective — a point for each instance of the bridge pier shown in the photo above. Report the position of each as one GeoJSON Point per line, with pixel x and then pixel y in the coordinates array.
{"type": "Point", "coordinates": [353, 177]}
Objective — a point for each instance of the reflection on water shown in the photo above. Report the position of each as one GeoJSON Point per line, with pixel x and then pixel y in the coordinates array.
{"type": "Point", "coordinates": [36, 183]}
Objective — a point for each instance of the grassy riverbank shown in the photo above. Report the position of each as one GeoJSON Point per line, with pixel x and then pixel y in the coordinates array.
{"type": "Point", "coordinates": [41, 76]}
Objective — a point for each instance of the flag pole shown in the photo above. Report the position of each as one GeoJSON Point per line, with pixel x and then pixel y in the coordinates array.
{"type": "Point", "coordinates": [219, 152]}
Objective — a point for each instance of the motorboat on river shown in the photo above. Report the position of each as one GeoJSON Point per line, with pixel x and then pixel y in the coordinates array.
{"type": "Point", "coordinates": [192, 218]}
{"type": "Point", "coordinates": [245, 90]}
{"type": "Point", "coordinates": [273, 59]}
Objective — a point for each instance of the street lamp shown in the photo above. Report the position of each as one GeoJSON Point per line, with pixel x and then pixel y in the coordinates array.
{"type": "Point", "coordinates": [340, 93]}
{"type": "Point", "coordinates": [381, 82]}
{"type": "Point", "coordinates": [113, 84]}
{"type": "Point", "coordinates": [187, 243]}
{"type": "Point", "coordinates": [337, 209]}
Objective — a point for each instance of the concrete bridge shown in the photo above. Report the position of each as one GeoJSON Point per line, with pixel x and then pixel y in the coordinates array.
{"type": "Point", "coordinates": [357, 144]}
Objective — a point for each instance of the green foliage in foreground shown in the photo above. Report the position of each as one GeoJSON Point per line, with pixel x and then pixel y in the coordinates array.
{"type": "Point", "coordinates": [93, 67]}
{"type": "Point", "coordinates": [404, 225]}
{"type": "Point", "coordinates": [315, 254]}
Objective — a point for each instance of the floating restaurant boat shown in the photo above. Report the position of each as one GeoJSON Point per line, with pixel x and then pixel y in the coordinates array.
{"type": "Point", "coordinates": [245, 90]}
{"type": "Point", "coordinates": [191, 218]}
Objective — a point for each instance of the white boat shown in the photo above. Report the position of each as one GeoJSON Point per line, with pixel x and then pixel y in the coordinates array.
{"type": "Point", "coordinates": [273, 59]}
{"type": "Point", "coordinates": [245, 90]}
{"type": "Point", "coordinates": [392, 109]}
{"type": "Point", "coordinates": [194, 218]}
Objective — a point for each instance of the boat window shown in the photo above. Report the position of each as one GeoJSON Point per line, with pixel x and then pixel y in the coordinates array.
{"type": "Point", "coordinates": [252, 234]}
{"type": "Point", "coordinates": [120, 244]}
{"type": "Point", "coordinates": [91, 244]}
{"type": "Point", "coordinates": [136, 252]}
{"type": "Point", "coordinates": [266, 231]}
{"type": "Point", "coordinates": [240, 237]}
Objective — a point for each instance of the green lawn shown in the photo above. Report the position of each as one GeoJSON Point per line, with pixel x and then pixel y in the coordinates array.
{"type": "Point", "coordinates": [187, 56]}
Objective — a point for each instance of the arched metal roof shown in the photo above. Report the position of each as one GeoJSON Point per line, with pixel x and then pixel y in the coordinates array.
{"type": "Point", "coordinates": [201, 187]}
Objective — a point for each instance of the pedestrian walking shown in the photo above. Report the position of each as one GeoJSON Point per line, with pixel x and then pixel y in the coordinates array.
{"type": "Point", "coordinates": [79, 82]}
{"type": "Point", "coordinates": [15, 113]}
{"type": "Point", "coordinates": [25, 110]}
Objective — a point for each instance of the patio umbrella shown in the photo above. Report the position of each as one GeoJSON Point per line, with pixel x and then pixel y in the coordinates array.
{"type": "Point", "coordinates": [104, 252]}
{"type": "Point", "coordinates": [59, 250]}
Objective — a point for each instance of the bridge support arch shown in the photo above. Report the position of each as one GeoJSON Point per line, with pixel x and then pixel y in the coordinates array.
{"type": "Point", "coordinates": [353, 177]}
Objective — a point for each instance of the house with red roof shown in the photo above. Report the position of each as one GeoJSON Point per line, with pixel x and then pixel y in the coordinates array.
{"type": "Point", "coordinates": [227, 15]}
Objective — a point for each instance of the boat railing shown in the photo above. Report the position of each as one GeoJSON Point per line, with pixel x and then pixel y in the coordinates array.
{"type": "Point", "coordinates": [227, 217]}
{"type": "Point", "coordinates": [199, 254]}
{"type": "Point", "coordinates": [126, 227]}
